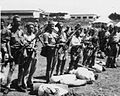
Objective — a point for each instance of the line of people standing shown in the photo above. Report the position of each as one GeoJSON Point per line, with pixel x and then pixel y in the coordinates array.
{"type": "Point", "coordinates": [19, 45]}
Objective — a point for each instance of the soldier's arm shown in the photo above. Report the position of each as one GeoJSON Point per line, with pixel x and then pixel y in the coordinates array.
{"type": "Point", "coordinates": [9, 50]}
{"type": "Point", "coordinates": [21, 37]}
{"type": "Point", "coordinates": [119, 41]}
{"type": "Point", "coordinates": [8, 45]}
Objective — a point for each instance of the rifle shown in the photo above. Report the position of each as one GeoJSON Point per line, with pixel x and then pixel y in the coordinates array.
{"type": "Point", "coordinates": [56, 52]}
{"type": "Point", "coordinates": [66, 45]}
{"type": "Point", "coordinates": [37, 36]}
{"type": "Point", "coordinates": [95, 49]}
{"type": "Point", "coordinates": [69, 38]}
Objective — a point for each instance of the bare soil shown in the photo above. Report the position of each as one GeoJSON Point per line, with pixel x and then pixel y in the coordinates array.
{"type": "Point", "coordinates": [108, 83]}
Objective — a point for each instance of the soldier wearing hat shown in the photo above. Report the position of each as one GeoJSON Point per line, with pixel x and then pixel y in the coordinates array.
{"type": "Point", "coordinates": [49, 38]}
{"type": "Point", "coordinates": [75, 52]}
{"type": "Point", "coordinates": [61, 49]}
{"type": "Point", "coordinates": [30, 59]}
{"type": "Point", "coordinates": [90, 48]}
{"type": "Point", "coordinates": [113, 45]}
{"type": "Point", "coordinates": [15, 54]}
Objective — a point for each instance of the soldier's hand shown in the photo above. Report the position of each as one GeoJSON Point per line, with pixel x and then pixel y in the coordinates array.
{"type": "Point", "coordinates": [26, 44]}
{"type": "Point", "coordinates": [11, 57]}
{"type": "Point", "coordinates": [57, 45]}
{"type": "Point", "coordinates": [34, 49]}
{"type": "Point", "coordinates": [118, 44]}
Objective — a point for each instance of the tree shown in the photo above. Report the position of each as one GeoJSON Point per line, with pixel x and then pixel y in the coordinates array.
{"type": "Point", "coordinates": [114, 16]}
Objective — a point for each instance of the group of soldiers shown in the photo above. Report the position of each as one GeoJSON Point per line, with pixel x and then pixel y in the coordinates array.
{"type": "Point", "coordinates": [19, 45]}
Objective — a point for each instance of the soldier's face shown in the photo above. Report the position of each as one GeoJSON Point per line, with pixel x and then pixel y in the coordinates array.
{"type": "Point", "coordinates": [52, 26]}
{"type": "Point", "coordinates": [17, 21]}
{"type": "Point", "coordinates": [30, 28]}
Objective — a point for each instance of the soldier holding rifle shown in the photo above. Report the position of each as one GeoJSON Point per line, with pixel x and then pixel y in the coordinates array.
{"type": "Point", "coordinates": [61, 50]}
{"type": "Point", "coordinates": [49, 38]}
{"type": "Point", "coordinates": [90, 48]}
{"type": "Point", "coordinates": [76, 46]}
{"type": "Point", "coordinates": [15, 56]}
{"type": "Point", "coordinates": [30, 61]}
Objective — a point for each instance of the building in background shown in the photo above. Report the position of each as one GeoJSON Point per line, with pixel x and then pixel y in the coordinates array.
{"type": "Point", "coordinates": [28, 15]}
{"type": "Point", "coordinates": [7, 14]}
{"type": "Point", "coordinates": [31, 15]}
{"type": "Point", "coordinates": [84, 17]}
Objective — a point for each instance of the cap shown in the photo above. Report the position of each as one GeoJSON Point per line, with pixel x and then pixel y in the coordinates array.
{"type": "Point", "coordinates": [15, 16]}
{"type": "Point", "coordinates": [59, 24]}
{"type": "Point", "coordinates": [29, 23]}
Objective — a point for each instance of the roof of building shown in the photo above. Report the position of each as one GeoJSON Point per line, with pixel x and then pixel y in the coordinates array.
{"type": "Point", "coordinates": [19, 11]}
{"type": "Point", "coordinates": [83, 15]}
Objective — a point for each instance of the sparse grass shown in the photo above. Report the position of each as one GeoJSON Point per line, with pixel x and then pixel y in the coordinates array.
{"type": "Point", "coordinates": [108, 83]}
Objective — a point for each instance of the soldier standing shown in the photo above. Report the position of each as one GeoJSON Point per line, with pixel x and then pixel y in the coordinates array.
{"type": "Point", "coordinates": [29, 64]}
{"type": "Point", "coordinates": [90, 47]}
{"type": "Point", "coordinates": [113, 45]}
{"type": "Point", "coordinates": [5, 44]}
{"type": "Point", "coordinates": [16, 43]}
{"type": "Point", "coordinates": [61, 50]}
{"type": "Point", "coordinates": [49, 38]}
{"type": "Point", "coordinates": [75, 52]}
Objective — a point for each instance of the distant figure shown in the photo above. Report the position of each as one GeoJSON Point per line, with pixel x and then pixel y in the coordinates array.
{"type": "Point", "coordinates": [37, 26]}
{"type": "Point", "coordinates": [113, 45]}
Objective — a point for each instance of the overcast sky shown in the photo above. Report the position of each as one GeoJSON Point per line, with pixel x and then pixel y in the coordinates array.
{"type": "Point", "coordinates": [100, 7]}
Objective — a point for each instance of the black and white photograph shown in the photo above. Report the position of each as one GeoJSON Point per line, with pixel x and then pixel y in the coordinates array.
{"type": "Point", "coordinates": [60, 48]}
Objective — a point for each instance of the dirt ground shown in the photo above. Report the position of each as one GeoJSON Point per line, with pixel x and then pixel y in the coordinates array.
{"type": "Point", "coordinates": [108, 83]}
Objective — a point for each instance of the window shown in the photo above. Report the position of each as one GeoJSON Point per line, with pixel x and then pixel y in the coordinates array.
{"type": "Point", "coordinates": [73, 17]}
{"type": "Point", "coordinates": [90, 17]}
{"type": "Point", "coordinates": [79, 17]}
{"type": "Point", "coordinates": [84, 17]}
{"type": "Point", "coordinates": [46, 15]}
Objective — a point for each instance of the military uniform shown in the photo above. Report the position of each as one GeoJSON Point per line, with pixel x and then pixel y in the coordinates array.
{"type": "Point", "coordinates": [49, 39]}
{"type": "Point", "coordinates": [113, 49]}
{"type": "Point", "coordinates": [61, 53]}
{"type": "Point", "coordinates": [5, 38]}
{"type": "Point", "coordinates": [75, 52]}
{"type": "Point", "coordinates": [90, 47]}
{"type": "Point", "coordinates": [30, 59]}
{"type": "Point", "coordinates": [102, 40]}
{"type": "Point", "coordinates": [16, 43]}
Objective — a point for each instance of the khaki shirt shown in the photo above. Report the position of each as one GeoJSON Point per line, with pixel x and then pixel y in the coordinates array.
{"type": "Point", "coordinates": [116, 37]}
{"type": "Point", "coordinates": [76, 41]}
{"type": "Point", "coordinates": [63, 37]}
{"type": "Point", "coordinates": [50, 38]}
{"type": "Point", "coordinates": [29, 38]}
{"type": "Point", "coordinates": [17, 38]}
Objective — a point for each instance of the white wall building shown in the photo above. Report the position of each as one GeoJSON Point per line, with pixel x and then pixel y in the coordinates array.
{"type": "Point", "coordinates": [91, 17]}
